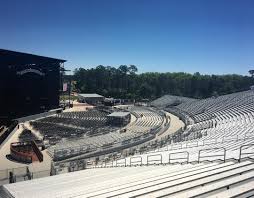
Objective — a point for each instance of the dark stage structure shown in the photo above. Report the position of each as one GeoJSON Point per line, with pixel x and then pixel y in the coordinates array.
{"type": "Point", "coordinates": [29, 84]}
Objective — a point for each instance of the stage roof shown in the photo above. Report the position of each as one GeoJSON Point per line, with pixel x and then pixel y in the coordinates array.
{"type": "Point", "coordinates": [8, 57]}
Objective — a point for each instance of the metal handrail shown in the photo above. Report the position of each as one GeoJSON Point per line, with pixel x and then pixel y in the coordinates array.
{"type": "Point", "coordinates": [211, 149]}
{"type": "Point", "coordinates": [187, 157]}
{"type": "Point", "coordinates": [241, 151]}
{"type": "Point", "coordinates": [154, 160]}
{"type": "Point", "coordinates": [120, 163]}
{"type": "Point", "coordinates": [108, 163]}
{"type": "Point", "coordinates": [137, 157]}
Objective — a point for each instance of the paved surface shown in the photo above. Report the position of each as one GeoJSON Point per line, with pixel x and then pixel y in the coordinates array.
{"type": "Point", "coordinates": [7, 164]}
{"type": "Point", "coordinates": [175, 125]}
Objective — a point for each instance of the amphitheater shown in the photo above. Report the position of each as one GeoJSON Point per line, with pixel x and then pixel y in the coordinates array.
{"type": "Point", "coordinates": [210, 155]}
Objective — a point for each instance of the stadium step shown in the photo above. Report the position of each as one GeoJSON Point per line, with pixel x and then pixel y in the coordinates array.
{"type": "Point", "coordinates": [154, 188]}
{"type": "Point", "coordinates": [4, 193]}
{"type": "Point", "coordinates": [241, 191]}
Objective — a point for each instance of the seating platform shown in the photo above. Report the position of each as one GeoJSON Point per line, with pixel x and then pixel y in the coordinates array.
{"type": "Point", "coordinates": [189, 180]}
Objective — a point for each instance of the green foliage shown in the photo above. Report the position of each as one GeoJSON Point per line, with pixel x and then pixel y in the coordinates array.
{"type": "Point", "coordinates": [124, 82]}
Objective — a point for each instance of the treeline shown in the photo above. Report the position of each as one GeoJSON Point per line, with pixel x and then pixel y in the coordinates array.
{"type": "Point", "coordinates": [124, 82]}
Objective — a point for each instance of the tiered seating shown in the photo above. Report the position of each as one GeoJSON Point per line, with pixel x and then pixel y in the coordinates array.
{"type": "Point", "coordinates": [146, 119]}
{"type": "Point", "coordinates": [230, 125]}
{"type": "Point", "coordinates": [72, 125]}
{"type": "Point", "coordinates": [189, 180]}
{"type": "Point", "coordinates": [78, 119]}
{"type": "Point", "coordinates": [232, 122]}
{"type": "Point", "coordinates": [210, 108]}
{"type": "Point", "coordinates": [170, 100]}
{"type": "Point", "coordinates": [74, 133]}
{"type": "Point", "coordinates": [212, 112]}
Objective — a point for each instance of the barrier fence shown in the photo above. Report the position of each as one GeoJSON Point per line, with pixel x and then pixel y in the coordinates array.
{"type": "Point", "coordinates": [119, 162]}
{"type": "Point", "coordinates": [154, 160]}
{"type": "Point", "coordinates": [248, 153]}
{"type": "Point", "coordinates": [23, 173]}
{"type": "Point", "coordinates": [212, 154]}
{"type": "Point", "coordinates": [134, 162]}
{"type": "Point", "coordinates": [207, 154]}
{"type": "Point", "coordinates": [172, 158]}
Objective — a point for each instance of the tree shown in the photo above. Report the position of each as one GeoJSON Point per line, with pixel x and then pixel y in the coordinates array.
{"type": "Point", "coordinates": [251, 72]}
{"type": "Point", "coordinates": [123, 69]}
{"type": "Point", "coordinates": [124, 82]}
{"type": "Point", "coordinates": [132, 69]}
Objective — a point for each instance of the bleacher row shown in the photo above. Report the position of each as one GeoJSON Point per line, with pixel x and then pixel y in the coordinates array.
{"type": "Point", "coordinates": [210, 108]}
{"type": "Point", "coordinates": [170, 100]}
{"type": "Point", "coordinates": [144, 126]}
{"type": "Point", "coordinates": [215, 179]}
{"type": "Point", "coordinates": [147, 119]}
{"type": "Point", "coordinates": [84, 115]}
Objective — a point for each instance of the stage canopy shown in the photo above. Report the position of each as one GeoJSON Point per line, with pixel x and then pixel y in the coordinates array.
{"type": "Point", "coordinates": [8, 57]}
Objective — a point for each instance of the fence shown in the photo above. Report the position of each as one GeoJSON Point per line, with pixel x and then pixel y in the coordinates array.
{"type": "Point", "coordinates": [23, 173]}
{"type": "Point", "coordinates": [154, 160]}
{"type": "Point", "coordinates": [197, 143]}
{"type": "Point", "coordinates": [177, 158]}
{"type": "Point", "coordinates": [243, 152]}
{"type": "Point", "coordinates": [208, 155]}
{"type": "Point", "coordinates": [133, 160]}
{"type": "Point", "coordinates": [80, 154]}
{"type": "Point", "coordinates": [212, 154]}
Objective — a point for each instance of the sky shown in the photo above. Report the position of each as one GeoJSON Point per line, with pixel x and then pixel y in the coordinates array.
{"type": "Point", "coordinates": [206, 36]}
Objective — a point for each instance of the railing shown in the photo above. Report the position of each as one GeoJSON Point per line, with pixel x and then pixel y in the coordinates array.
{"type": "Point", "coordinates": [245, 153]}
{"type": "Point", "coordinates": [212, 155]}
{"type": "Point", "coordinates": [77, 150]}
{"type": "Point", "coordinates": [21, 173]}
{"type": "Point", "coordinates": [121, 163]}
{"type": "Point", "coordinates": [134, 162]}
{"type": "Point", "coordinates": [208, 142]}
{"type": "Point", "coordinates": [178, 158]}
{"type": "Point", "coordinates": [109, 164]}
{"type": "Point", "coordinates": [154, 160]}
